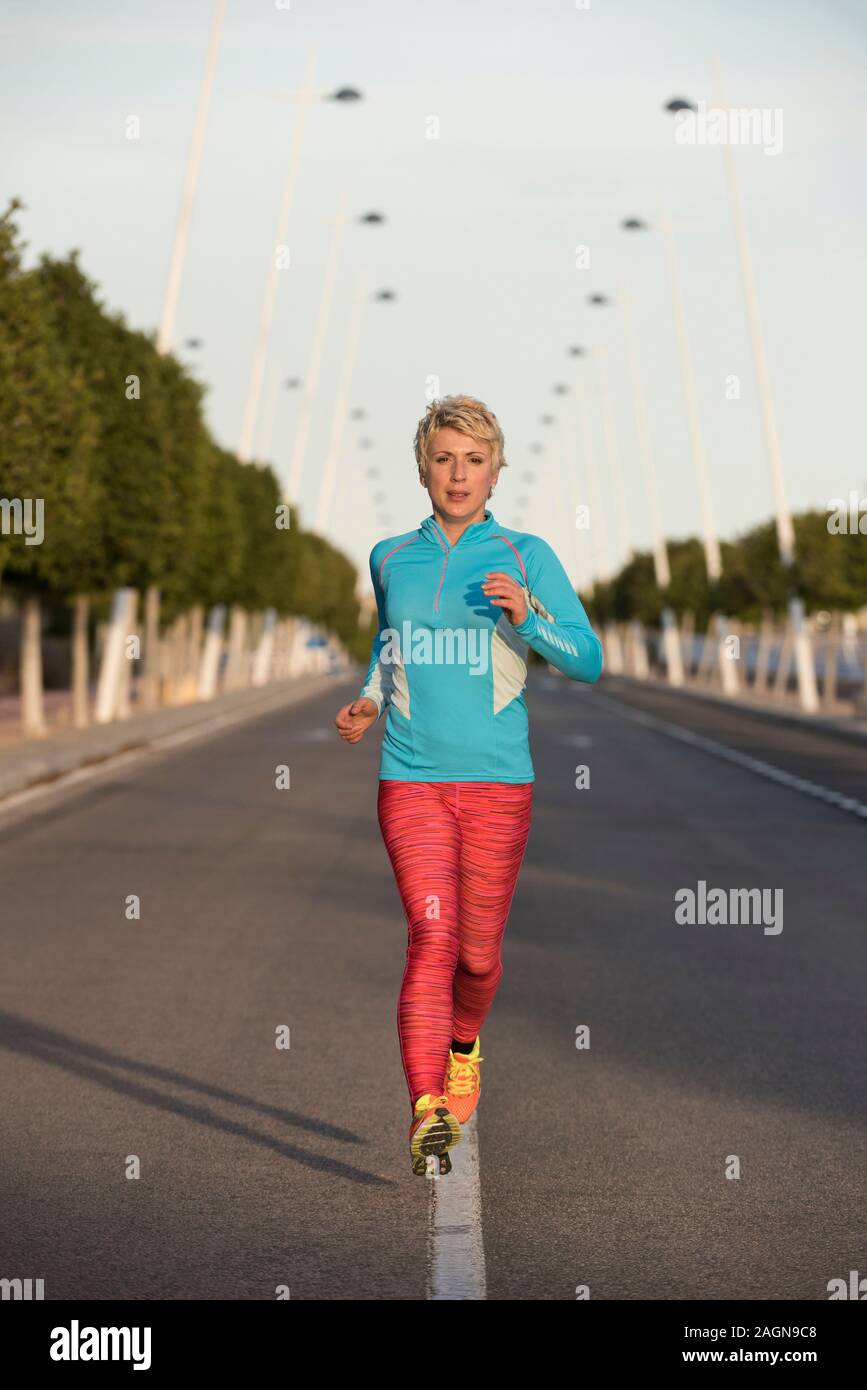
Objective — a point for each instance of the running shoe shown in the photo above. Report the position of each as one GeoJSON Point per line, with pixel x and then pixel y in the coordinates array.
{"type": "Point", "coordinates": [434, 1130]}
{"type": "Point", "coordinates": [464, 1082]}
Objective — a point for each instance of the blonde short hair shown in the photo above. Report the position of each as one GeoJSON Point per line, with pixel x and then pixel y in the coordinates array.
{"type": "Point", "coordinates": [463, 413]}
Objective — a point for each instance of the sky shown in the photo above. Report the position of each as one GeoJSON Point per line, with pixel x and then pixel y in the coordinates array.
{"type": "Point", "coordinates": [551, 131]}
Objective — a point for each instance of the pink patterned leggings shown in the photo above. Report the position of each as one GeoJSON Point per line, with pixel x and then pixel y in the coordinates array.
{"type": "Point", "coordinates": [456, 849]}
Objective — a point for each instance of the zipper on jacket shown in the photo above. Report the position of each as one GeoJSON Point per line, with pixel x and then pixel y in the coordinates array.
{"type": "Point", "coordinates": [446, 547]}
{"type": "Point", "coordinates": [442, 577]}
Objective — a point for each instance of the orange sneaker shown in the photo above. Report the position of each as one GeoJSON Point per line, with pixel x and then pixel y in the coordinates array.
{"type": "Point", "coordinates": [464, 1082]}
{"type": "Point", "coordinates": [434, 1130]}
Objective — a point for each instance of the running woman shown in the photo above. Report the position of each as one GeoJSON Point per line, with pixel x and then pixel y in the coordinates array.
{"type": "Point", "coordinates": [459, 602]}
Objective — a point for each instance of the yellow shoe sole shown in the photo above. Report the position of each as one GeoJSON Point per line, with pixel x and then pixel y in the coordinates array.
{"type": "Point", "coordinates": [438, 1132]}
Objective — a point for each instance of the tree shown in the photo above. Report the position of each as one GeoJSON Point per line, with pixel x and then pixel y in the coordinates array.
{"type": "Point", "coordinates": [48, 434]}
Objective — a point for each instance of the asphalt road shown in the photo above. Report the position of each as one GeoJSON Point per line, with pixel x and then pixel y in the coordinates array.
{"type": "Point", "coordinates": [265, 909]}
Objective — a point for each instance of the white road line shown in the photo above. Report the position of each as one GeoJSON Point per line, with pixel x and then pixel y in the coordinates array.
{"type": "Point", "coordinates": [732, 755]}
{"type": "Point", "coordinates": [457, 1252]}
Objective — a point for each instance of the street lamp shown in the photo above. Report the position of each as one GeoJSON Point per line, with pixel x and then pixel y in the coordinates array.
{"type": "Point", "coordinates": [338, 419]}
{"type": "Point", "coordinates": [344, 95]}
{"type": "Point", "coordinates": [712, 558]}
{"type": "Point", "coordinates": [611, 444]}
{"type": "Point", "coordinates": [785, 528]}
{"type": "Point", "coordinates": [292, 383]}
{"type": "Point", "coordinates": [320, 333]}
{"type": "Point", "coordinates": [191, 178]}
{"type": "Point", "coordinates": [565, 449]}
{"type": "Point", "coordinates": [661, 566]}
{"type": "Point", "coordinates": [598, 533]}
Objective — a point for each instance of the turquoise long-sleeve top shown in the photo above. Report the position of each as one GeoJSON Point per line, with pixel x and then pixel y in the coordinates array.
{"type": "Point", "coordinates": [449, 666]}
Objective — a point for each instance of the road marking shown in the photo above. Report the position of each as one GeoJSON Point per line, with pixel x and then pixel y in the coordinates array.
{"type": "Point", "coordinates": [732, 755]}
{"type": "Point", "coordinates": [457, 1252]}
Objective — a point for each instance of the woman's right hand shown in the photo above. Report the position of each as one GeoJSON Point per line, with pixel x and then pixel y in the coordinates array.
{"type": "Point", "coordinates": [354, 720]}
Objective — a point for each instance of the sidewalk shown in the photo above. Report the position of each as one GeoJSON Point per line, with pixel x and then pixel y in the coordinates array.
{"type": "Point", "coordinates": [44, 759]}
{"type": "Point", "coordinates": [57, 707]}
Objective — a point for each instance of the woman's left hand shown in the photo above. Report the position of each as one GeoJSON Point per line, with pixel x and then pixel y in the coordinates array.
{"type": "Point", "coordinates": [507, 594]}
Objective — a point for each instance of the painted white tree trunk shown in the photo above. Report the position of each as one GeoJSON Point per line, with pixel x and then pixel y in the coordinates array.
{"type": "Point", "coordinates": [32, 703]}
{"type": "Point", "coordinates": [178, 655]}
{"type": "Point", "coordinates": [613, 650]}
{"type": "Point", "coordinates": [80, 662]}
{"type": "Point", "coordinates": [111, 671]}
{"type": "Point", "coordinates": [265, 648]}
{"type": "Point", "coordinates": [728, 667]}
{"type": "Point", "coordinates": [149, 688]}
{"type": "Point", "coordinates": [213, 648]}
{"type": "Point", "coordinates": [237, 664]}
{"type": "Point", "coordinates": [805, 664]}
{"type": "Point", "coordinates": [831, 652]}
{"type": "Point", "coordinates": [193, 656]}
{"type": "Point", "coordinates": [124, 701]}
{"type": "Point", "coordinates": [763, 653]}
{"type": "Point", "coordinates": [671, 647]}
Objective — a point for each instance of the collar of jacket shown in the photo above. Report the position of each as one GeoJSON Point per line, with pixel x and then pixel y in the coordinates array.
{"type": "Point", "coordinates": [479, 531]}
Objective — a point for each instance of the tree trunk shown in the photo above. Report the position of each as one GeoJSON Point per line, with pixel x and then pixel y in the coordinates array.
{"type": "Point", "coordinates": [237, 666]}
{"type": "Point", "coordinates": [80, 662]}
{"type": "Point", "coordinates": [209, 665]}
{"type": "Point", "coordinates": [193, 655]}
{"type": "Point", "coordinates": [32, 705]}
{"type": "Point", "coordinates": [264, 657]}
{"type": "Point", "coordinates": [124, 694]}
{"type": "Point", "coordinates": [149, 689]}
{"type": "Point", "coordinates": [112, 670]}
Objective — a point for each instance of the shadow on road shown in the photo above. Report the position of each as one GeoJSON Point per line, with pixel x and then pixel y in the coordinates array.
{"type": "Point", "coordinates": [92, 1063]}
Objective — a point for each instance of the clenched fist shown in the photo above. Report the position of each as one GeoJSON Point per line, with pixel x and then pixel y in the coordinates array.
{"type": "Point", "coordinates": [353, 721]}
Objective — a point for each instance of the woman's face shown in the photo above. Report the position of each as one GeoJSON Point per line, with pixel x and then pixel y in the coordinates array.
{"type": "Point", "coordinates": [460, 474]}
